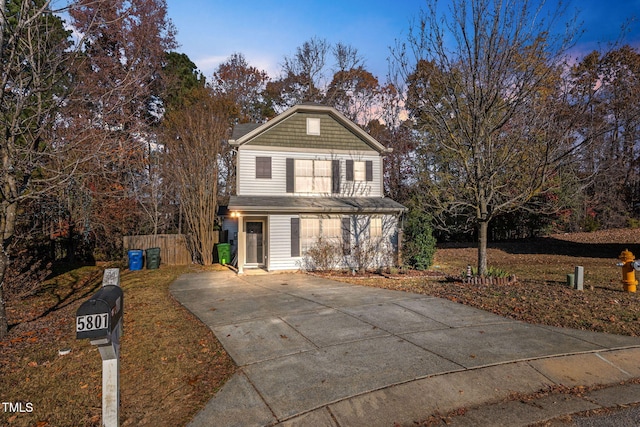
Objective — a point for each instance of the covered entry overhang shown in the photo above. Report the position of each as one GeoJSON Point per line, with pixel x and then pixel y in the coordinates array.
{"type": "Point", "coordinates": [252, 214]}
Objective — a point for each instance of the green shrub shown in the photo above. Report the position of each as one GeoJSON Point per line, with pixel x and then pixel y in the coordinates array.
{"type": "Point", "coordinates": [633, 223]}
{"type": "Point", "coordinates": [590, 224]}
{"type": "Point", "coordinates": [419, 245]}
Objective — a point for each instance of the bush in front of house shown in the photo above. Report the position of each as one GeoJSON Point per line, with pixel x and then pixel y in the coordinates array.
{"type": "Point", "coordinates": [323, 256]}
{"type": "Point", "coordinates": [419, 244]}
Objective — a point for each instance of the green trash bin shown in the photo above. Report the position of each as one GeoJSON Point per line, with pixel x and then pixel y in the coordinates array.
{"type": "Point", "coordinates": [224, 253]}
{"type": "Point", "coordinates": [153, 258]}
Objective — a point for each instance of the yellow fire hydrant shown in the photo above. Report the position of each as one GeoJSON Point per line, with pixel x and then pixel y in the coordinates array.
{"type": "Point", "coordinates": [629, 267]}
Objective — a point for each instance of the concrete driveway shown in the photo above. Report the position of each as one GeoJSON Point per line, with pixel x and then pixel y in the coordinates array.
{"type": "Point", "coordinates": [317, 352]}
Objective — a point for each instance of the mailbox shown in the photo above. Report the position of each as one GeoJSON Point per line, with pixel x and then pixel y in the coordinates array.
{"type": "Point", "coordinates": [99, 316]}
{"type": "Point", "coordinates": [100, 320]}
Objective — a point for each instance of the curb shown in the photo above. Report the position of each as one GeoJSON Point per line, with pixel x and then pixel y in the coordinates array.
{"type": "Point", "coordinates": [494, 395]}
{"type": "Point", "coordinates": [552, 408]}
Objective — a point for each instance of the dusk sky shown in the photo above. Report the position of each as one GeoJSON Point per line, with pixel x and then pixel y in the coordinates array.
{"type": "Point", "coordinates": [265, 32]}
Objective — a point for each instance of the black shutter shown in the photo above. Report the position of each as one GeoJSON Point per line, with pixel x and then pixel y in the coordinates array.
{"type": "Point", "coordinates": [368, 170]}
{"type": "Point", "coordinates": [335, 176]}
{"type": "Point", "coordinates": [295, 237]}
{"type": "Point", "coordinates": [289, 176]}
{"type": "Point", "coordinates": [349, 170]}
{"type": "Point", "coordinates": [346, 236]}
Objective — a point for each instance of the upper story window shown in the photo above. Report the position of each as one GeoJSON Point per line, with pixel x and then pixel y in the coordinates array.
{"type": "Point", "coordinates": [358, 171]}
{"type": "Point", "coordinates": [263, 167]}
{"type": "Point", "coordinates": [312, 176]}
{"type": "Point", "coordinates": [313, 126]}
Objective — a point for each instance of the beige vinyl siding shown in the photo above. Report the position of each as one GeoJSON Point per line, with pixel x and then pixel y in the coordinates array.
{"type": "Point", "coordinates": [280, 240]}
{"type": "Point", "coordinates": [384, 245]}
{"type": "Point", "coordinates": [280, 244]}
{"type": "Point", "coordinates": [248, 185]}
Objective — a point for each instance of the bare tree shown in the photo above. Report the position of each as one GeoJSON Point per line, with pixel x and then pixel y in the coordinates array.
{"type": "Point", "coordinates": [334, 75]}
{"type": "Point", "coordinates": [483, 85]}
{"type": "Point", "coordinates": [193, 140]}
{"type": "Point", "coordinates": [36, 54]}
{"type": "Point", "coordinates": [244, 86]}
{"type": "Point", "coordinates": [306, 67]}
{"type": "Point", "coordinates": [394, 131]}
{"type": "Point", "coordinates": [609, 83]}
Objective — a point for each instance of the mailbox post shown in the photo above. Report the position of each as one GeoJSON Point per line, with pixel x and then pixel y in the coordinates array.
{"type": "Point", "coordinates": [100, 320]}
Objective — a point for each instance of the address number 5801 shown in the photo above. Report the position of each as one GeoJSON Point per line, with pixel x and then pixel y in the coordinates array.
{"type": "Point", "coordinates": [91, 322]}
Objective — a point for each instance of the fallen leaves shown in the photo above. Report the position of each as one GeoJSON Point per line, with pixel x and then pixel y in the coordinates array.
{"type": "Point", "coordinates": [163, 344]}
{"type": "Point", "coordinates": [541, 295]}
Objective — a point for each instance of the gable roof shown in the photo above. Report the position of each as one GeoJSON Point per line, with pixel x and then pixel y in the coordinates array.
{"type": "Point", "coordinates": [242, 134]}
{"type": "Point", "coordinates": [243, 129]}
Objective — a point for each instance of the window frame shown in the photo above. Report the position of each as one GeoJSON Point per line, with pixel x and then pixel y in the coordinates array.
{"type": "Point", "coordinates": [307, 178]}
{"type": "Point", "coordinates": [359, 171]}
{"type": "Point", "coordinates": [263, 167]}
{"type": "Point", "coordinates": [375, 227]}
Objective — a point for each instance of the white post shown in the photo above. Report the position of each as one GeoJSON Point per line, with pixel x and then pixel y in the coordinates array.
{"type": "Point", "coordinates": [111, 382]}
{"type": "Point", "coordinates": [111, 277]}
{"type": "Point", "coordinates": [242, 245]}
{"type": "Point", "coordinates": [110, 354]}
{"type": "Point", "coordinates": [579, 277]}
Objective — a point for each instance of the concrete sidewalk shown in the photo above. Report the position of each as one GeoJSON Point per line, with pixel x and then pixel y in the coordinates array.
{"type": "Point", "coordinates": [315, 352]}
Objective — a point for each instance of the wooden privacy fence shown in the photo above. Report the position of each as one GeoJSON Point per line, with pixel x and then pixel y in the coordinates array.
{"type": "Point", "coordinates": [173, 247]}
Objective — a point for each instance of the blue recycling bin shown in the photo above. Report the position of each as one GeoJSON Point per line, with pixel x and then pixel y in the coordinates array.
{"type": "Point", "coordinates": [136, 259]}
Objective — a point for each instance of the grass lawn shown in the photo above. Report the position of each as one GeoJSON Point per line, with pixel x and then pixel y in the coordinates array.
{"type": "Point", "coordinates": [170, 363]}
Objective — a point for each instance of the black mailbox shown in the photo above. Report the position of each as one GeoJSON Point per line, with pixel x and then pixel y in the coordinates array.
{"type": "Point", "coordinates": [98, 317]}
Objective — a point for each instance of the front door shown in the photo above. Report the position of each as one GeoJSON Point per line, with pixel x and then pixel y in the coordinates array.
{"type": "Point", "coordinates": [255, 249]}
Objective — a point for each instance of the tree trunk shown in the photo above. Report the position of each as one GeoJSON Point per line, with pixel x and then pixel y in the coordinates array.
{"type": "Point", "coordinates": [4, 323]}
{"type": "Point", "coordinates": [483, 227]}
{"type": "Point", "coordinates": [7, 223]}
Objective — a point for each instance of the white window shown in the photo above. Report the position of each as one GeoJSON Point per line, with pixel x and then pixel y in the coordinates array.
{"type": "Point", "coordinates": [309, 233]}
{"type": "Point", "coordinates": [313, 126]}
{"type": "Point", "coordinates": [375, 227]}
{"type": "Point", "coordinates": [322, 176]}
{"type": "Point", "coordinates": [313, 228]}
{"type": "Point", "coordinates": [331, 228]}
{"type": "Point", "coordinates": [304, 176]}
{"type": "Point", "coordinates": [312, 176]}
{"type": "Point", "coordinates": [359, 171]}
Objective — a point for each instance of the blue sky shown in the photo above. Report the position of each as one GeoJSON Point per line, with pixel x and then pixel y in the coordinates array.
{"type": "Point", "coordinates": [266, 31]}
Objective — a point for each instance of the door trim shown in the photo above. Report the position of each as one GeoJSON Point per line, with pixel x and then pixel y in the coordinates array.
{"type": "Point", "coordinates": [260, 263]}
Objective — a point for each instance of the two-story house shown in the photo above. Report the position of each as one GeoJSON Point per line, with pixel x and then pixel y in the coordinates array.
{"type": "Point", "coordinates": [308, 174]}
